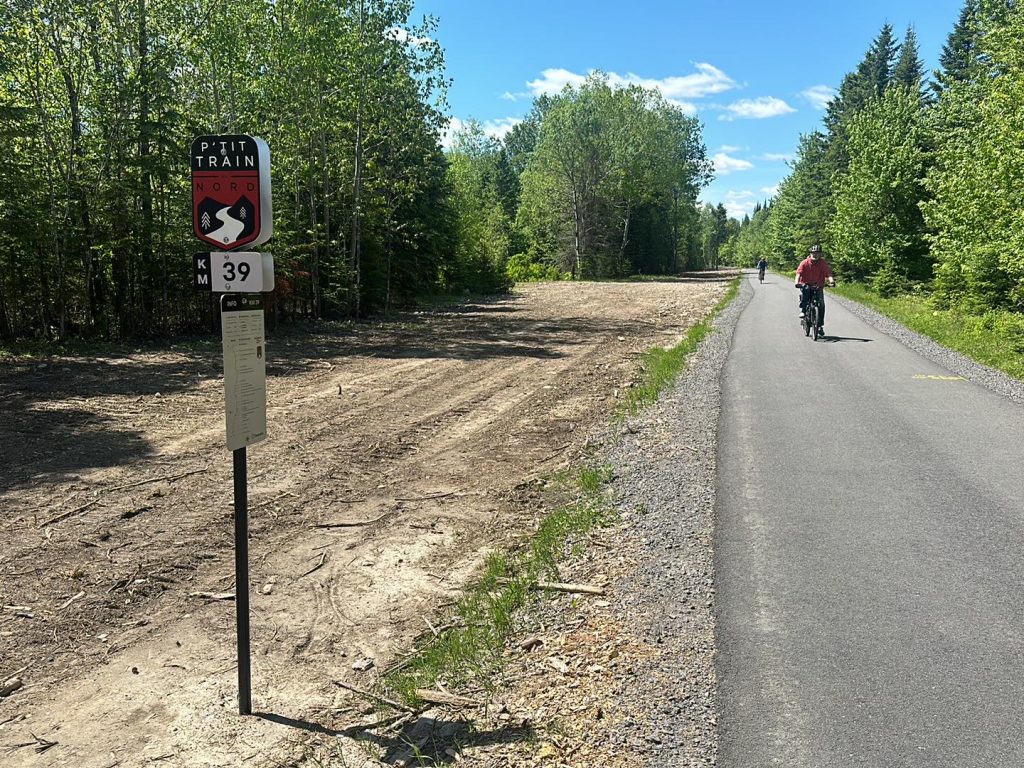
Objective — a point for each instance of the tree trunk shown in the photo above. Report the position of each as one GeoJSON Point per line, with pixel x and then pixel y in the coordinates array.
{"type": "Point", "coordinates": [76, 193]}
{"type": "Point", "coordinates": [315, 266]}
{"type": "Point", "coordinates": [5, 324]}
{"type": "Point", "coordinates": [577, 218]}
{"type": "Point", "coordinates": [146, 179]}
{"type": "Point", "coordinates": [625, 240]}
{"type": "Point", "coordinates": [357, 186]}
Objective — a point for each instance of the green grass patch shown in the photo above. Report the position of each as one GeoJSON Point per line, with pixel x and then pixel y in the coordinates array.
{"type": "Point", "coordinates": [470, 650]}
{"type": "Point", "coordinates": [995, 339]}
{"type": "Point", "coordinates": [661, 367]}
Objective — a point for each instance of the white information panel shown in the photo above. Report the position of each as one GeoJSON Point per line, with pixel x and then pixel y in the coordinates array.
{"type": "Point", "coordinates": [245, 369]}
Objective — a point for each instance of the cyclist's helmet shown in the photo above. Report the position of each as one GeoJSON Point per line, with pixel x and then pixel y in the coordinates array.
{"type": "Point", "coordinates": [815, 248]}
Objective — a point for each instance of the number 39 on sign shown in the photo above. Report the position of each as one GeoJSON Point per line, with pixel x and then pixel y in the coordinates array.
{"type": "Point", "coordinates": [234, 272]}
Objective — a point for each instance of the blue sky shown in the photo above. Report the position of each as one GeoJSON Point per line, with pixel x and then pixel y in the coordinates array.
{"type": "Point", "coordinates": [757, 74]}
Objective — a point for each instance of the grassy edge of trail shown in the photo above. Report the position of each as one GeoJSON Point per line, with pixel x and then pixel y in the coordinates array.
{"type": "Point", "coordinates": [995, 339]}
{"type": "Point", "coordinates": [468, 647]}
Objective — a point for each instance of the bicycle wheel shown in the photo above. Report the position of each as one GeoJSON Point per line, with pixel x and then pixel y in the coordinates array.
{"type": "Point", "coordinates": [806, 322]}
{"type": "Point", "coordinates": [814, 320]}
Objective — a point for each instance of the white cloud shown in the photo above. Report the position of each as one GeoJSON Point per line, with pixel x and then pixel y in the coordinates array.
{"type": "Point", "coordinates": [730, 148]}
{"type": "Point", "coordinates": [708, 79]}
{"type": "Point", "coordinates": [771, 191]}
{"type": "Point", "coordinates": [724, 164]}
{"type": "Point", "coordinates": [818, 95]}
{"type": "Point", "coordinates": [498, 129]}
{"type": "Point", "coordinates": [552, 81]}
{"type": "Point", "coordinates": [403, 36]}
{"type": "Point", "coordinates": [777, 157]}
{"type": "Point", "coordinates": [756, 109]}
{"type": "Point", "coordinates": [448, 137]}
{"type": "Point", "coordinates": [739, 203]}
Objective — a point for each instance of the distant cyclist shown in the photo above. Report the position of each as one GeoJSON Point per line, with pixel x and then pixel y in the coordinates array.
{"type": "Point", "coordinates": [812, 275]}
{"type": "Point", "coordinates": [762, 265]}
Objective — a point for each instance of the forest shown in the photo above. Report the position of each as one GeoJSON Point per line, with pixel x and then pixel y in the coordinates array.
{"type": "Point", "coordinates": [913, 183]}
{"type": "Point", "coordinates": [101, 101]}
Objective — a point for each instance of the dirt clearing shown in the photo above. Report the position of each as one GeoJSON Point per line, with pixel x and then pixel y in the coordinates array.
{"type": "Point", "coordinates": [399, 455]}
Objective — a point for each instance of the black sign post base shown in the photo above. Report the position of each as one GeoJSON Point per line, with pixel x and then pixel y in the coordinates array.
{"type": "Point", "coordinates": [242, 581]}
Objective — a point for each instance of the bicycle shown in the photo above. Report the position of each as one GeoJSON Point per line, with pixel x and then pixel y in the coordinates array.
{"type": "Point", "coordinates": [760, 275]}
{"type": "Point", "coordinates": [811, 321]}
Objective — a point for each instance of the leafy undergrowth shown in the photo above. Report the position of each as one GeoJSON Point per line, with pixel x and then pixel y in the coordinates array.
{"type": "Point", "coordinates": [995, 339]}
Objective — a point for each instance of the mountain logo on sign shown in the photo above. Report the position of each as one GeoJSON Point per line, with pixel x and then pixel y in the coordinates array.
{"type": "Point", "coordinates": [226, 224]}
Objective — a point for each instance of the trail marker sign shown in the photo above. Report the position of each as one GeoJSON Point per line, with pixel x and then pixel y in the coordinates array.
{"type": "Point", "coordinates": [234, 272]}
{"type": "Point", "coordinates": [231, 198]}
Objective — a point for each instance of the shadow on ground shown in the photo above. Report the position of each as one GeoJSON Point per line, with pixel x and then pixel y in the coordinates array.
{"type": "Point", "coordinates": [424, 742]}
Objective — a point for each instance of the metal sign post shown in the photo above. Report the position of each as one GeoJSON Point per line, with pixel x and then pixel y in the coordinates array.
{"type": "Point", "coordinates": [245, 396]}
{"type": "Point", "coordinates": [231, 208]}
{"type": "Point", "coordinates": [242, 582]}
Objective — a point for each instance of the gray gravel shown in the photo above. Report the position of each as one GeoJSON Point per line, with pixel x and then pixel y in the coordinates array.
{"type": "Point", "coordinates": [664, 480]}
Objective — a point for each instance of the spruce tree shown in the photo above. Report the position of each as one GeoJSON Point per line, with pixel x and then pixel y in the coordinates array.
{"type": "Point", "coordinates": [959, 54]}
{"type": "Point", "coordinates": [909, 71]}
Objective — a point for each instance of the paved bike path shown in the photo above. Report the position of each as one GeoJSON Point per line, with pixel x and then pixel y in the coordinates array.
{"type": "Point", "coordinates": [869, 552]}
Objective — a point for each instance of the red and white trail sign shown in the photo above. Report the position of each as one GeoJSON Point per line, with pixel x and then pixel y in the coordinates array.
{"type": "Point", "coordinates": [231, 200]}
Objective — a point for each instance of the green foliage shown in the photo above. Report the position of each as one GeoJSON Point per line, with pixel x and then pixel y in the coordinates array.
{"type": "Point", "coordinates": [98, 106]}
{"type": "Point", "coordinates": [877, 223]}
{"type": "Point", "coordinates": [522, 268]}
{"type": "Point", "coordinates": [610, 180]}
{"type": "Point", "coordinates": [906, 191]}
{"type": "Point", "coordinates": [800, 214]}
{"type": "Point", "coordinates": [976, 231]}
{"type": "Point", "coordinates": [484, 229]}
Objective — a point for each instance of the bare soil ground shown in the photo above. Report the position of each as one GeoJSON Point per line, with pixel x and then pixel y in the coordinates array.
{"type": "Point", "coordinates": [115, 496]}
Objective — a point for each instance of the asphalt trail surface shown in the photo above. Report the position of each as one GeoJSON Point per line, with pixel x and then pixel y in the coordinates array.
{"type": "Point", "coordinates": [869, 552]}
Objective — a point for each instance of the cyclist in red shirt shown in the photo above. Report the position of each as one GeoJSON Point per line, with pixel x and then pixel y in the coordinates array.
{"type": "Point", "coordinates": [813, 274]}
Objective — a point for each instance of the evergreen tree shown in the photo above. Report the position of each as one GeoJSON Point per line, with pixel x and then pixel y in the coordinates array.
{"type": "Point", "coordinates": [909, 71]}
{"type": "Point", "coordinates": [960, 52]}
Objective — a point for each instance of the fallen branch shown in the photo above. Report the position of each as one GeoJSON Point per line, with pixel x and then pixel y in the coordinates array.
{"type": "Point", "coordinates": [373, 697]}
{"type": "Point", "coordinates": [42, 744]}
{"type": "Point", "coordinates": [448, 699]}
{"type": "Point", "coordinates": [70, 600]}
{"type": "Point", "coordinates": [213, 595]}
{"type": "Point", "coordinates": [69, 513]}
{"type": "Point", "coordinates": [155, 480]}
{"type": "Point", "coordinates": [553, 586]}
{"type": "Point", "coordinates": [323, 559]}
{"type": "Point", "coordinates": [427, 498]}
{"type": "Point", "coordinates": [354, 523]}
{"type": "Point", "coordinates": [555, 452]}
